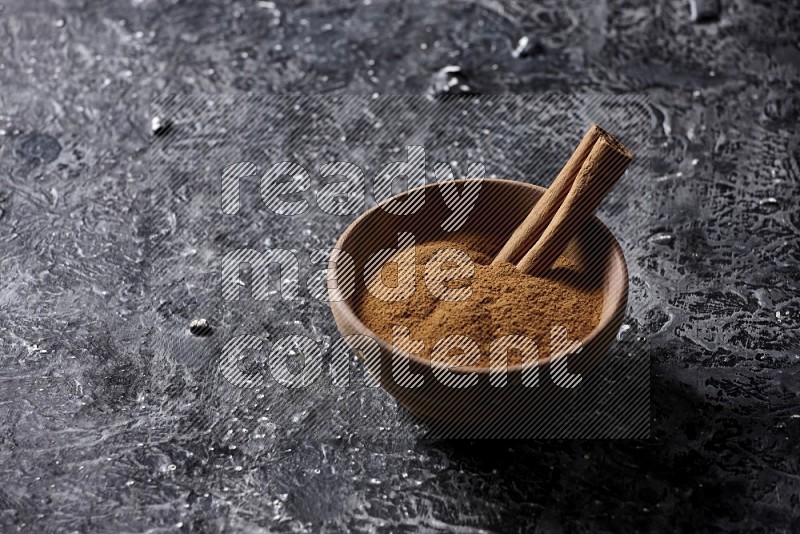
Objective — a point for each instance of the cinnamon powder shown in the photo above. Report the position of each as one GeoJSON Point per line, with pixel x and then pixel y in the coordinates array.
{"type": "Point", "coordinates": [502, 301]}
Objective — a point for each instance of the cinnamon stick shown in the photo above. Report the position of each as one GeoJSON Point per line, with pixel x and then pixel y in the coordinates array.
{"type": "Point", "coordinates": [604, 164]}
{"type": "Point", "coordinates": [531, 229]}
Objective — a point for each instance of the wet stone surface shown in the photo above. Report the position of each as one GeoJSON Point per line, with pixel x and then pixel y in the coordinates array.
{"type": "Point", "coordinates": [105, 428]}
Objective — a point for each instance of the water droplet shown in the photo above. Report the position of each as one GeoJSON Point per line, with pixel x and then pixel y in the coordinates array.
{"type": "Point", "coordinates": [521, 45]}
{"type": "Point", "coordinates": [299, 417]}
{"type": "Point", "coordinates": [200, 328]}
{"type": "Point", "coordinates": [622, 330]}
{"type": "Point", "coordinates": [159, 126]}
{"type": "Point", "coordinates": [449, 80]}
{"type": "Point", "coordinates": [662, 238]}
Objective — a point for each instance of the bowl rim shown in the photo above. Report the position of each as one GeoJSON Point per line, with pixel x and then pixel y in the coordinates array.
{"type": "Point", "coordinates": [341, 306]}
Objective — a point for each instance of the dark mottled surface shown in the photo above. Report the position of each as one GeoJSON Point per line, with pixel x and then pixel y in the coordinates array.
{"type": "Point", "coordinates": [97, 416]}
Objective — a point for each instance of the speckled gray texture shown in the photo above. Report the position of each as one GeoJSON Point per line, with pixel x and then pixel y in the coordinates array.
{"type": "Point", "coordinates": [97, 417]}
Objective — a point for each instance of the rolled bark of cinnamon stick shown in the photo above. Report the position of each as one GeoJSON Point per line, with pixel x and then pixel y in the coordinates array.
{"type": "Point", "coordinates": [604, 164]}
{"type": "Point", "coordinates": [532, 228]}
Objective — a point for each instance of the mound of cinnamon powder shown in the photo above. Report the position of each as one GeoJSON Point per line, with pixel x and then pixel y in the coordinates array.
{"type": "Point", "coordinates": [502, 301]}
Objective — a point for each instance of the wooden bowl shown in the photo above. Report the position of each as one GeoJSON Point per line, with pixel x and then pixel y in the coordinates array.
{"type": "Point", "coordinates": [501, 206]}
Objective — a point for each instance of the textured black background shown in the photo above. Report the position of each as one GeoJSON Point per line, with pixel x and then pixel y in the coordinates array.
{"type": "Point", "coordinates": [97, 416]}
